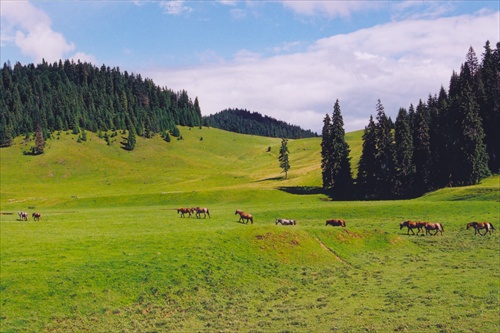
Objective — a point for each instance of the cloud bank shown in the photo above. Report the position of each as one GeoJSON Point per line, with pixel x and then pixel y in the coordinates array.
{"type": "Point", "coordinates": [30, 30]}
{"type": "Point", "coordinates": [398, 63]}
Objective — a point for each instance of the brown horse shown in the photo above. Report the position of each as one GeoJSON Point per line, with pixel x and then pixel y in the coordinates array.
{"type": "Point", "coordinates": [199, 211]}
{"type": "Point", "coordinates": [36, 216]}
{"type": "Point", "coordinates": [481, 225]}
{"type": "Point", "coordinates": [412, 225]}
{"type": "Point", "coordinates": [336, 223]}
{"type": "Point", "coordinates": [184, 211]}
{"type": "Point", "coordinates": [434, 226]}
{"type": "Point", "coordinates": [244, 216]}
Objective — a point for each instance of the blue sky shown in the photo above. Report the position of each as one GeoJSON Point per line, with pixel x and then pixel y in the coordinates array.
{"type": "Point", "coordinates": [287, 59]}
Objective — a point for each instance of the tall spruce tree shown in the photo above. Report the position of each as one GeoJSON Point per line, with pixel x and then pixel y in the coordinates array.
{"type": "Point", "coordinates": [366, 180]}
{"type": "Point", "coordinates": [283, 157]}
{"type": "Point", "coordinates": [39, 141]}
{"type": "Point", "coordinates": [326, 152]}
{"type": "Point", "coordinates": [489, 106]}
{"type": "Point", "coordinates": [473, 156]}
{"type": "Point", "coordinates": [404, 167]}
{"type": "Point", "coordinates": [131, 140]}
{"type": "Point", "coordinates": [422, 156]}
{"type": "Point", "coordinates": [384, 161]}
{"type": "Point", "coordinates": [339, 156]}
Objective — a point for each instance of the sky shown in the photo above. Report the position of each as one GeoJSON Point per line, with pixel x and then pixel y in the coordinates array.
{"type": "Point", "coordinates": [290, 60]}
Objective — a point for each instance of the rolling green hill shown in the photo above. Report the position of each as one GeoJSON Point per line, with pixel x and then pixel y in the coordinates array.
{"type": "Point", "coordinates": [111, 253]}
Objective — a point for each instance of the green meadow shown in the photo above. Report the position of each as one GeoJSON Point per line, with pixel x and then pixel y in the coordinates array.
{"type": "Point", "coordinates": [111, 253]}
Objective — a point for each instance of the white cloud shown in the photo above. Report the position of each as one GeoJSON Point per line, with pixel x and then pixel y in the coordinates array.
{"type": "Point", "coordinates": [30, 30]}
{"type": "Point", "coordinates": [175, 7]}
{"type": "Point", "coordinates": [330, 8]}
{"type": "Point", "coordinates": [399, 63]}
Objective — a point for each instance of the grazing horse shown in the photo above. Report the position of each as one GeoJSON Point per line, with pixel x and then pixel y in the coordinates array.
{"type": "Point", "coordinates": [184, 211]}
{"type": "Point", "coordinates": [244, 216]}
{"type": "Point", "coordinates": [286, 222]}
{"type": "Point", "coordinates": [202, 210]}
{"type": "Point", "coordinates": [36, 216]}
{"type": "Point", "coordinates": [481, 225]}
{"type": "Point", "coordinates": [434, 226]}
{"type": "Point", "coordinates": [23, 216]}
{"type": "Point", "coordinates": [412, 225]}
{"type": "Point", "coordinates": [336, 223]}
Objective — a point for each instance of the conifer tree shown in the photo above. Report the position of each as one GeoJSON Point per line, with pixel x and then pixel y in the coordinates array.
{"type": "Point", "coordinates": [283, 157]}
{"type": "Point", "coordinates": [404, 168]}
{"type": "Point", "coordinates": [473, 156]}
{"type": "Point", "coordinates": [422, 156]}
{"type": "Point", "coordinates": [384, 158]}
{"type": "Point", "coordinates": [489, 106]}
{"type": "Point", "coordinates": [339, 155]}
{"type": "Point", "coordinates": [366, 180]}
{"type": "Point", "coordinates": [131, 140]}
{"type": "Point", "coordinates": [326, 152]}
{"type": "Point", "coordinates": [39, 141]}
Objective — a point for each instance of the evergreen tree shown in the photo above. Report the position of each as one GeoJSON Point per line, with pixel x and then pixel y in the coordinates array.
{"type": "Point", "coordinates": [131, 140]}
{"type": "Point", "coordinates": [384, 158]}
{"type": "Point", "coordinates": [39, 141]}
{"type": "Point", "coordinates": [339, 154]}
{"type": "Point", "coordinates": [326, 153]}
{"type": "Point", "coordinates": [489, 106]}
{"type": "Point", "coordinates": [422, 156]}
{"type": "Point", "coordinates": [473, 155]}
{"type": "Point", "coordinates": [404, 168]}
{"type": "Point", "coordinates": [5, 134]}
{"type": "Point", "coordinates": [283, 157]}
{"type": "Point", "coordinates": [366, 180]}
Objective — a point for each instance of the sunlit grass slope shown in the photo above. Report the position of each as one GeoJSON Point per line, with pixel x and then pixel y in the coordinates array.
{"type": "Point", "coordinates": [111, 254]}
{"type": "Point", "coordinates": [206, 159]}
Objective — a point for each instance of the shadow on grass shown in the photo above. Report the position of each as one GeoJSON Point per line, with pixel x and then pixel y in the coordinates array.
{"type": "Point", "coordinates": [315, 190]}
{"type": "Point", "coordinates": [302, 190]}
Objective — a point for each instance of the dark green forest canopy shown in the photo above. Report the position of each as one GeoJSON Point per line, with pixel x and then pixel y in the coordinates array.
{"type": "Point", "coordinates": [451, 139]}
{"type": "Point", "coordinates": [246, 122]}
{"type": "Point", "coordinates": [73, 96]}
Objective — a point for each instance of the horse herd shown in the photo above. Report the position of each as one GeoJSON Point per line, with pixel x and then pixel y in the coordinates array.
{"type": "Point", "coordinates": [23, 216]}
{"type": "Point", "coordinates": [428, 227]}
{"type": "Point", "coordinates": [438, 227]}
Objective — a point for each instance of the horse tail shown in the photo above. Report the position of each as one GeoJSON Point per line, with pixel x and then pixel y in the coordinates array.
{"type": "Point", "coordinates": [492, 227]}
{"type": "Point", "coordinates": [251, 218]}
{"type": "Point", "coordinates": [442, 227]}
{"type": "Point", "coordinates": [208, 213]}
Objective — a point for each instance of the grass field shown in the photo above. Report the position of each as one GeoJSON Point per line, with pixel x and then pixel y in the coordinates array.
{"type": "Point", "coordinates": [111, 254]}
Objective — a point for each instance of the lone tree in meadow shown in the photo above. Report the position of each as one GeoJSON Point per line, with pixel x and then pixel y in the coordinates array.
{"type": "Point", "coordinates": [39, 141]}
{"type": "Point", "coordinates": [283, 157]}
{"type": "Point", "coordinates": [131, 140]}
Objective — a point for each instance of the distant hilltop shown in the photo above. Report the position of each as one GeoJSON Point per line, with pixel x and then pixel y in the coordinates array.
{"type": "Point", "coordinates": [246, 122]}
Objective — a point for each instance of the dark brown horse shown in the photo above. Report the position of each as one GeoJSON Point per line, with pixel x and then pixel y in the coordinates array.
{"type": "Point", "coordinates": [336, 223]}
{"type": "Point", "coordinates": [244, 216]}
{"type": "Point", "coordinates": [434, 226]}
{"type": "Point", "coordinates": [481, 225]}
{"type": "Point", "coordinates": [199, 211]}
{"type": "Point", "coordinates": [412, 225]}
{"type": "Point", "coordinates": [184, 211]}
{"type": "Point", "coordinates": [36, 216]}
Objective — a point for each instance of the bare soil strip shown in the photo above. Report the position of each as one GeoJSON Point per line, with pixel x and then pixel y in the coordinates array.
{"type": "Point", "coordinates": [333, 253]}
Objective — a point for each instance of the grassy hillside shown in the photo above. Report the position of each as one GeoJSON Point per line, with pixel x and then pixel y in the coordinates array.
{"type": "Point", "coordinates": [111, 254]}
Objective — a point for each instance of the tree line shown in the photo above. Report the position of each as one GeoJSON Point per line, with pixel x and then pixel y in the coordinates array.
{"type": "Point", "coordinates": [80, 96]}
{"type": "Point", "coordinates": [451, 139]}
{"type": "Point", "coordinates": [246, 122]}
